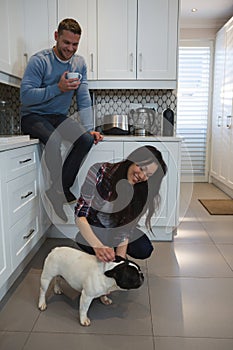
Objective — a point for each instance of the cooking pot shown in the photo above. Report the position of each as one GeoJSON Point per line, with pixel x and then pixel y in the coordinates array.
{"type": "Point", "coordinates": [115, 124]}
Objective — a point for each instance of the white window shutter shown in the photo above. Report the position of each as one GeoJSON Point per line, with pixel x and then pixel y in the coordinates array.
{"type": "Point", "coordinates": [193, 109]}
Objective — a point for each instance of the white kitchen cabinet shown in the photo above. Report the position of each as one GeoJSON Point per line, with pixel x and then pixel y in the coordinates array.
{"type": "Point", "coordinates": [137, 39]}
{"type": "Point", "coordinates": [12, 60]}
{"type": "Point", "coordinates": [39, 26]}
{"type": "Point", "coordinates": [22, 217]}
{"type": "Point", "coordinates": [222, 120]}
{"type": "Point", "coordinates": [84, 12]}
{"type": "Point", "coordinates": [167, 215]}
{"type": "Point", "coordinates": [115, 149]}
{"type": "Point", "coordinates": [5, 262]}
{"type": "Point", "coordinates": [117, 32]}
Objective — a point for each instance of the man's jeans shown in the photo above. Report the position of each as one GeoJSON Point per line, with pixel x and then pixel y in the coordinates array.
{"type": "Point", "coordinates": [51, 130]}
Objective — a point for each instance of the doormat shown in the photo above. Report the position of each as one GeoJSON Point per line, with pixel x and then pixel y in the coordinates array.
{"type": "Point", "coordinates": [218, 206]}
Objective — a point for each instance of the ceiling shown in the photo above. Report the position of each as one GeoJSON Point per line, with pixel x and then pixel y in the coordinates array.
{"type": "Point", "coordinates": [209, 14]}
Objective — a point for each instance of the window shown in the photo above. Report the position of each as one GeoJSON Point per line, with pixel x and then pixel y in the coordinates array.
{"type": "Point", "coordinates": [193, 105]}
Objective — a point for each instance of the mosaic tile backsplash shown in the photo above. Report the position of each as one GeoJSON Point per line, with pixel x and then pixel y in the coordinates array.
{"type": "Point", "coordinates": [10, 94]}
{"type": "Point", "coordinates": [105, 101]}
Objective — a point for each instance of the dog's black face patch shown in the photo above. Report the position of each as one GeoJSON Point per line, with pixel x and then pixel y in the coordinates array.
{"type": "Point", "coordinates": [127, 275]}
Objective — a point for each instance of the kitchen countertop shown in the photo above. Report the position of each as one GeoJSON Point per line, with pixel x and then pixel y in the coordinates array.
{"type": "Point", "coordinates": [107, 138]}
{"type": "Point", "coordinates": [17, 144]}
{"type": "Point", "coordinates": [142, 138]}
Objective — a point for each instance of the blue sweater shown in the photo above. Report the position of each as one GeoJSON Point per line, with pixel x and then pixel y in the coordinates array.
{"type": "Point", "coordinates": [39, 92]}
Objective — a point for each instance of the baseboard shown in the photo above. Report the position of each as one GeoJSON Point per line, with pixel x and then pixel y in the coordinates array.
{"type": "Point", "coordinates": [20, 269]}
{"type": "Point", "coordinates": [222, 187]}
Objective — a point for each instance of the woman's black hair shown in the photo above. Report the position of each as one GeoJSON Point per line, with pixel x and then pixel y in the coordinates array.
{"type": "Point", "coordinates": [145, 196]}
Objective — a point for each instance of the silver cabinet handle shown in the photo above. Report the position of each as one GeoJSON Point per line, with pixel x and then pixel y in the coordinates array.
{"type": "Point", "coordinates": [219, 121]}
{"type": "Point", "coordinates": [229, 117]}
{"type": "Point", "coordinates": [25, 161]}
{"type": "Point", "coordinates": [140, 62]}
{"type": "Point", "coordinates": [27, 195]}
{"type": "Point", "coordinates": [92, 63]}
{"type": "Point", "coordinates": [131, 62]}
{"type": "Point", "coordinates": [29, 234]}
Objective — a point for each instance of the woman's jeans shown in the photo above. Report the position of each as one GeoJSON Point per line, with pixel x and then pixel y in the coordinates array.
{"type": "Point", "coordinates": [139, 247]}
{"type": "Point", "coordinates": [51, 130]}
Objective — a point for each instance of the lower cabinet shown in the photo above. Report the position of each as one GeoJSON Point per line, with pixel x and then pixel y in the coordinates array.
{"type": "Point", "coordinates": [166, 219]}
{"type": "Point", "coordinates": [21, 211]}
{"type": "Point", "coordinates": [5, 262]}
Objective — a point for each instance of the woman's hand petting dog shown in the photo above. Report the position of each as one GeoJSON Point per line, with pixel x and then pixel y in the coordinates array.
{"type": "Point", "coordinates": [105, 254]}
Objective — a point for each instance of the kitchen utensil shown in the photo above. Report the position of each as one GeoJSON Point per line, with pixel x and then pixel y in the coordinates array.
{"type": "Point", "coordinates": [168, 122]}
{"type": "Point", "coordinates": [144, 121]}
{"type": "Point", "coordinates": [115, 124]}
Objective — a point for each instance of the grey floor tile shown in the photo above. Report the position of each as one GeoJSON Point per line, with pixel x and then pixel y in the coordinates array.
{"type": "Point", "coordinates": [220, 229]}
{"type": "Point", "coordinates": [13, 340]}
{"type": "Point", "coordinates": [129, 314]}
{"type": "Point", "coordinates": [190, 230]}
{"type": "Point", "coordinates": [227, 252]}
{"type": "Point", "coordinates": [193, 344]}
{"type": "Point", "coordinates": [38, 341]}
{"type": "Point", "coordinates": [20, 312]}
{"type": "Point", "coordinates": [192, 307]}
{"type": "Point", "coordinates": [188, 260]}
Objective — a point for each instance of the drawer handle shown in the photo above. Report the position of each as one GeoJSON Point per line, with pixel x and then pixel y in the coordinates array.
{"type": "Point", "coordinates": [25, 160]}
{"type": "Point", "coordinates": [29, 234]}
{"type": "Point", "coordinates": [27, 195]}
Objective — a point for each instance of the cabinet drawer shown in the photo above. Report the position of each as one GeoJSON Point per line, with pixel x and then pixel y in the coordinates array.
{"type": "Point", "coordinates": [22, 196]}
{"type": "Point", "coordinates": [20, 161]}
{"type": "Point", "coordinates": [24, 235]}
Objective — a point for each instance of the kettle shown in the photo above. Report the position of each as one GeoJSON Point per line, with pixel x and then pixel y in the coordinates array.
{"type": "Point", "coordinates": [144, 120]}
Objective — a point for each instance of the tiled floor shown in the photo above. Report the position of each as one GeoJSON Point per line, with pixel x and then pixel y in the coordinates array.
{"type": "Point", "coordinates": [186, 301]}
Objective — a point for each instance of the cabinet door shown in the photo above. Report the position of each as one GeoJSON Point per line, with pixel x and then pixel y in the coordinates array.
{"type": "Point", "coordinates": [157, 39]}
{"type": "Point", "coordinates": [226, 170]}
{"type": "Point", "coordinates": [222, 125]}
{"type": "Point", "coordinates": [84, 12]}
{"type": "Point", "coordinates": [167, 214]}
{"type": "Point", "coordinates": [117, 39]}
{"type": "Point", "coordinates": [38, 35]}
{"type": "Point", "coordinates": [217, 118]}
{"type": "Point", "coordinates": [5, 263]}
{"type": "Point", "coordinates": [102, 152]}
{"type": "Point", "coordinates": [12, 39]}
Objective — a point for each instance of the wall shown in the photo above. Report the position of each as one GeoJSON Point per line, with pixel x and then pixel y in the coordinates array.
{"type": "Point", "coordinates": [105, 101]}
{"type": "Point", "coordinates": [11, 94]}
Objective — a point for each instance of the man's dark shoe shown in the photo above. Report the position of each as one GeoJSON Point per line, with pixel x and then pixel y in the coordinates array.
{"type": "Point", "coordinates": [57, 200]}
{"type": "Point", "coordinates": [69, 197]}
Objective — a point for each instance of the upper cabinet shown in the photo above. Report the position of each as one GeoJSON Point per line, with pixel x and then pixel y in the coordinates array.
{"type": "Point", "coordinates": [27, 26]}
{"type": "Point", "coordinates": [117, 33]}
{"type": "Point", "coordinates": [40, 24]}
{"type": "Point", "coordinates": [12, 59]}
{"type": "Point", "coordinates": [137, 39]}
{"type": "Point", "coordinates": [83, 11]}
{"type": "Point", "coordinates": [126, 43]}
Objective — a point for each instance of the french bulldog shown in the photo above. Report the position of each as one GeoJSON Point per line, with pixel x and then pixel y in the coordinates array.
{"type": "Point", "coordinates": [86, 274]}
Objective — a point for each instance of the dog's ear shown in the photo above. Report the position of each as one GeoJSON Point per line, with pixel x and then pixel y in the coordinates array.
{"type": "Point", "coordinates": [110, 273]}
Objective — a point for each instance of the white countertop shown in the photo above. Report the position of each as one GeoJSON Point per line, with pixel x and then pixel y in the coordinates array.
{"type": "Point", "coordinates": [142, 138]}
{"type": "Point", "coordinates": [17, 144]}
{"type": "Point", "coordinates": [107, 138]}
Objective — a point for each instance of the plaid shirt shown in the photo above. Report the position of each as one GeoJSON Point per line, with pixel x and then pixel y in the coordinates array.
{"type": "Point", "coordinates": [96, 191]}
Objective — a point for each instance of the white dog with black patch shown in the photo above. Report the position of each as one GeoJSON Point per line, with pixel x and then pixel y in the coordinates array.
{"type": "Point", "coordinates": [86, 274]}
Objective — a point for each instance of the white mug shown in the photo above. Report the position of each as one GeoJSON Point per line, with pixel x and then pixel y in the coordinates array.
{"type": "Point", "coordinates": [74, 75]}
